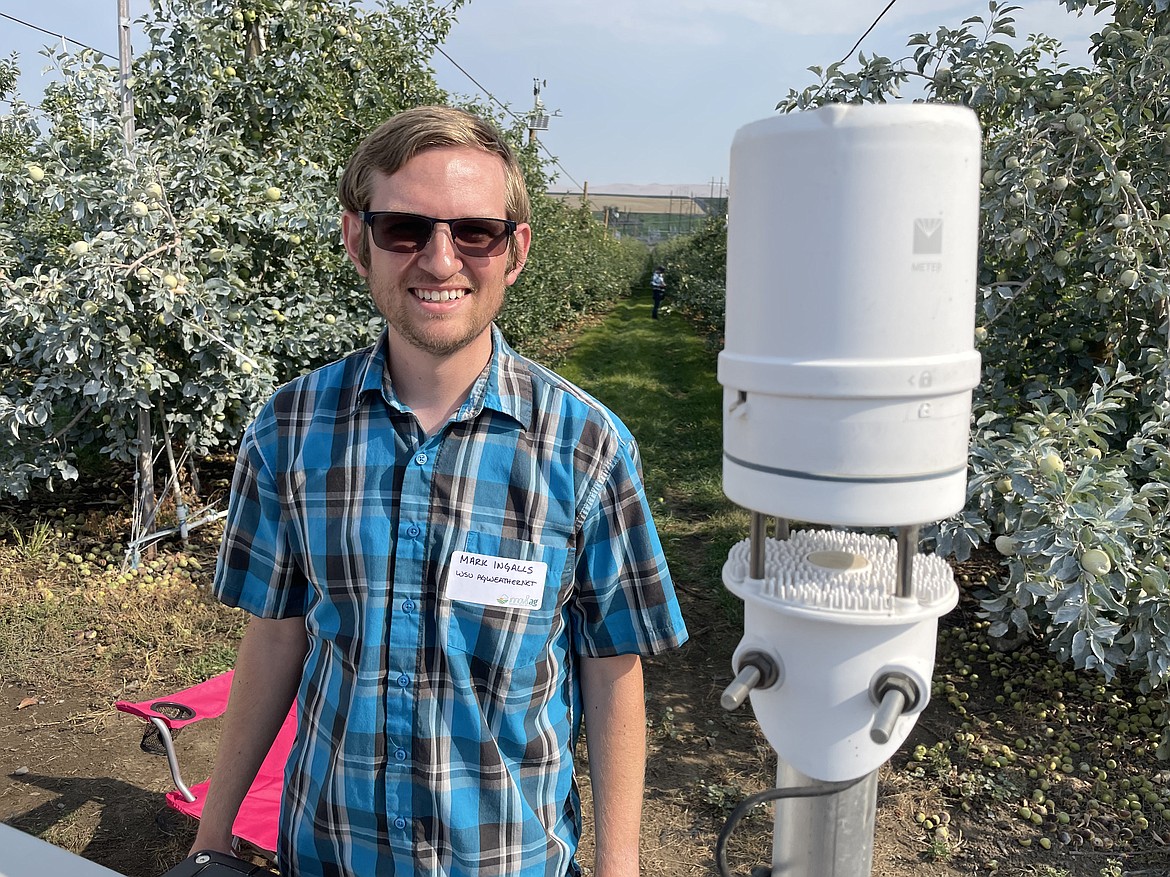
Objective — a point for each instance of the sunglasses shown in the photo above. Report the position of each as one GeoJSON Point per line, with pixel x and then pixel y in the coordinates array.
{"type": "Point", "coordinates": [410, 232]}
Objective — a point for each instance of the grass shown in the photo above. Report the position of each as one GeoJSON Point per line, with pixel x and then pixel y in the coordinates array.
{"type": "Point", "coordinates": [658, 376]}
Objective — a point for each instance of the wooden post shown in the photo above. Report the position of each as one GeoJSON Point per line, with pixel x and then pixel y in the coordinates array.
{"type": "Point", "coordinates": [146, 498]}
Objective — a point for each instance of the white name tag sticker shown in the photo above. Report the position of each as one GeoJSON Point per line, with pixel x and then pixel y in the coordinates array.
{"type": "Point", "coordinates": [496, 581]}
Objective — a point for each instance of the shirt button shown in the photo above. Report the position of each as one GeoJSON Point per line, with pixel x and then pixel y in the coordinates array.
{"type": "Point", "coordinates": [400, 823]}
{"type": "Point", "coordinates": [408, 606]}
{"type": "Point", "coordinates": [403, 680]}
{"type": "Point", "coordinates": [413, 530]}
{"type": "Point", "coordinates": [400, 754]}
{"type": "Point", "coordinates": [421, 459]}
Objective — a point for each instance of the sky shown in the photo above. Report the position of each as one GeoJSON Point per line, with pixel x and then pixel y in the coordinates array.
{"type": "Point", "coordinates": [649, 92]}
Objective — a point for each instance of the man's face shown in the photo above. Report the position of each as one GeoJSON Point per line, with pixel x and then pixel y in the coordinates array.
{"type": "Point", "coordinates": [439, 300]}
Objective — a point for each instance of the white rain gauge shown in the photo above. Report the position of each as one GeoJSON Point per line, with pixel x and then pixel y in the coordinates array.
{"type": "Point", "coordinates": [847, 376]}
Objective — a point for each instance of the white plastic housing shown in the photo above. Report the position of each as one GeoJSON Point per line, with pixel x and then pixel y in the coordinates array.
{"type": "Point", "coordinates": [833, 632]}
{"type": "Point", "coordinates": [851, 276]}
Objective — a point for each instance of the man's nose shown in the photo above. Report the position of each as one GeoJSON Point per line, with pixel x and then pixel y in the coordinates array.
{"type": "Point", "coordinates": [440, 256]}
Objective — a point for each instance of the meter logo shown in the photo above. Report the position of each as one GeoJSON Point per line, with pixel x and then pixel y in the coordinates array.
{"type": "Point", "coordinates": [928, 236]}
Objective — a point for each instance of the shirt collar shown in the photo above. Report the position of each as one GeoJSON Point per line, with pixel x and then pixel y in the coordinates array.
{"type": "Point", "coordinates": [505, 385]}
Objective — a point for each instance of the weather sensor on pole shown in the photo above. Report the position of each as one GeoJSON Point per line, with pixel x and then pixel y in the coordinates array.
{"type": "Point", "coordinates": [847, 373]}
{"type": "Point", "coordinates": [538, 117]}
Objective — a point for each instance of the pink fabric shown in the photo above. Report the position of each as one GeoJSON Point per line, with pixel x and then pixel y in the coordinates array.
{"type": "Point", "coordinates": [207, 700]}
{"type": "Point", "coordinates": [257, 820]}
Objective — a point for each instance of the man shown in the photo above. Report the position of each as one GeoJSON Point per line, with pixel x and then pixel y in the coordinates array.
{"type": "Point", "coordinates": [658, 287]}
{"type": "Point", "coordinates": [448, 555]}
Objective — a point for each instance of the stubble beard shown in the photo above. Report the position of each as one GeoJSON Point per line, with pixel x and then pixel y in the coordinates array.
{"type": "Point", "coordinates": [431, 334]}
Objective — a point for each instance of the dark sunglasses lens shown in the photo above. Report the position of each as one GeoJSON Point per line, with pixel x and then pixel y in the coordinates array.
{"type": "Point", "coordinates": [400, 233]}
{"type": "Point", "coordinates": [479, 237]}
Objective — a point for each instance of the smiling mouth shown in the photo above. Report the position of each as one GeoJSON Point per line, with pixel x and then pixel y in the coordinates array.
{"type": "Point", "coordinates": [439, 294]}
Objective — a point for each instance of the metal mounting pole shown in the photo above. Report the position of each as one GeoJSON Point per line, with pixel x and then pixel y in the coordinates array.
{"type": "Point", "coordinates": [826, 836]}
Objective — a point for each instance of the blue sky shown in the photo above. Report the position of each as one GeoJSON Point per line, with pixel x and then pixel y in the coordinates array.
{"type": "Point", "coordinates": [650, 91]}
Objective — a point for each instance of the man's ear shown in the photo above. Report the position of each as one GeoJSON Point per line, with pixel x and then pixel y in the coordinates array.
{"type": "Point", "coordinates": [521, 241]}
{"type": "Point", "coordinates": [353, 236]}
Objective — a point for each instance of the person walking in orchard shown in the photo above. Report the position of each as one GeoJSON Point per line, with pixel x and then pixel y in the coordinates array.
{"type": "Point", "coordinates": [448, 556]}
{"type": "Point", "coordinates": [658, 287]}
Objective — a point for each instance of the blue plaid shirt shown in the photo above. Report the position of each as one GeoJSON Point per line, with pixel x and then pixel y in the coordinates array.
{"type": "Point", "coordinates": [436, 735]}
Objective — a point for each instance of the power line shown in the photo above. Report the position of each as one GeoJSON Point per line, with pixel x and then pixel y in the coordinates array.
{"type": "Point", "coordinates": [59, 36]}
{"type": "Point", "coordinates": [869, 30]}
{"type": "Point", "coordinates": [438, 48]}
{"type": "Point", "coordinates": [506, 109]}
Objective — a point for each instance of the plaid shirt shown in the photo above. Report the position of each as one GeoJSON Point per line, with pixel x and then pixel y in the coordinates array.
{"type": "Point", "coordinates": [436, 734]}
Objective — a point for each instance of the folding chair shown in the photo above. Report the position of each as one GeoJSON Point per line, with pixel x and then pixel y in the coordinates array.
{"type": "Point", "coordinates": [256, 822]}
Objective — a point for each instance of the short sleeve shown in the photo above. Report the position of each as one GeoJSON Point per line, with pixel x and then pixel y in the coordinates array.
{"type": "Point", "coordinates": [625, 603]}
{"type": "Point", "coordinates": [257, 569]}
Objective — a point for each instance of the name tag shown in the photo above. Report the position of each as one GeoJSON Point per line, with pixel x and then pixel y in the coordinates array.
{"type": "Point", "coordinates": [496, 581]}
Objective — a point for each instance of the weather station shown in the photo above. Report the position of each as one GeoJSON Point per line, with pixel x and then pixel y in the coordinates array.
{"type": "Point", "coordinates": [538, 116]}
{"type": "Point", "coordinates": [847, 374]}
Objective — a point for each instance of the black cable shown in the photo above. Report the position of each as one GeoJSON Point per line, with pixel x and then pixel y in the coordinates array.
{"type": "Point", "coordinates": [867, 32]}
{"type": "Point", "coordinates": [753, 801]}
{"type": "Point", "coordinates": [59, 36]}
{"type": "Point", "coordinates": [506, 109]}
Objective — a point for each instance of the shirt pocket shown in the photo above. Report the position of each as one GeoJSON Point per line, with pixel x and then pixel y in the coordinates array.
{"type": "Point", "coordinates": [507, 637]}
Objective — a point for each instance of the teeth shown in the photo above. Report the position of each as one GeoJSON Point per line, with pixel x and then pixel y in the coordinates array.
{"type": "Point", "coordinates": [439, 294]}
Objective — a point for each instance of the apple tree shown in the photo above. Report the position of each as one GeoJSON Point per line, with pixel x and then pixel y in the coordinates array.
{"type": "Point", "coordinates": [1070, 473]}
{"type": "Point", "coordinates": [174, 280]}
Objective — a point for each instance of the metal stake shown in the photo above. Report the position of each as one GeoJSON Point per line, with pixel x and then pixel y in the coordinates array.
{"type": "Point", "coordinates": [907, 548]}
{"type": "Point", "coordinates": [759, 531]}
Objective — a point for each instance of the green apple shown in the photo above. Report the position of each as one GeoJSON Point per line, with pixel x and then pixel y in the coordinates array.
{"type": "Point", "coordinates": [1050, 464]}
{"type": "Point", "coordinates": [139, 209]}
{"type": "Point", "coordinates": [79, 248]}
{"type": "Point", "coordinates": [1062, 258]}
{"type": "Point", "coordinates": [1096, 562]}
{"type": "Point", "coordinates": [35, 173]}
{"type": "Point", "coordinates": [272, 193]}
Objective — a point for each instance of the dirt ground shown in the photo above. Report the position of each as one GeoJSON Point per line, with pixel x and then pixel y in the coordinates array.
{"type": "Point", "coordinates": [71, 772]}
